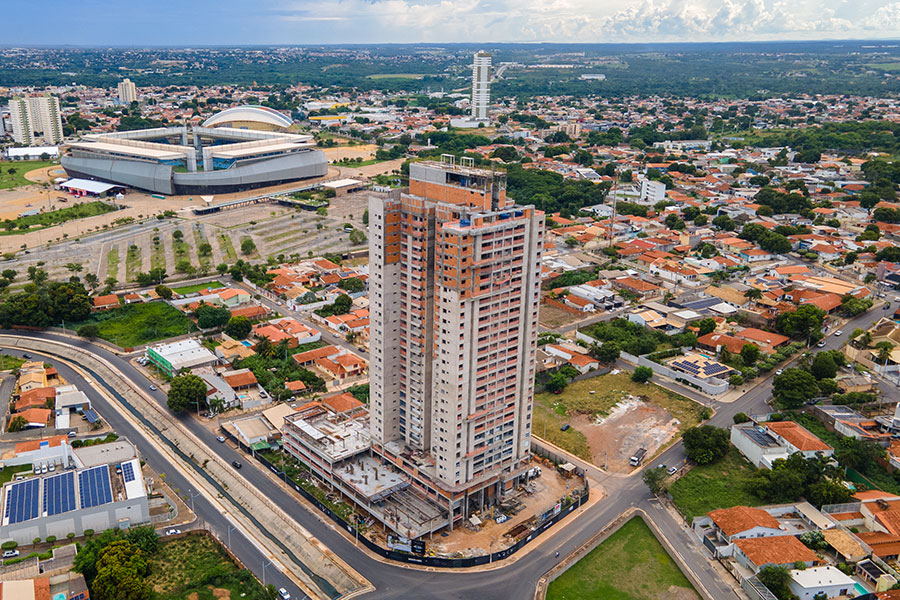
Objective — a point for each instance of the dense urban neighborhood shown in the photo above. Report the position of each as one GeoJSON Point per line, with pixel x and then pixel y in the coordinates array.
{"type": "Point", "coordinates": [448, 324]}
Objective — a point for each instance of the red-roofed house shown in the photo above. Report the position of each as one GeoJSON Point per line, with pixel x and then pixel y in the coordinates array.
{"type": "Point", "coordinates": [797, 439]}
{"type": "Point", "coordinates": [107, 302]}
{"type": "Point", "coordinates": [744, 522]}
{"type": "Point", "coordinates": [784, 550]}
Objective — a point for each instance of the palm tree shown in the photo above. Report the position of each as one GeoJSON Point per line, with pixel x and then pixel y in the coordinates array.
{"type": "Point", "coordinates": [864, 340]}
{"type": "Point", "coordinates": [884, 351]}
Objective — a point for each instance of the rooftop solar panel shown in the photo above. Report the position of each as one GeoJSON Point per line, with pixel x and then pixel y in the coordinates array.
{"type": "Point", "coordinates": [59, 494]}
{"type": "Point", "coordinates": [22, 501]}
{"type": "Point", "coordinates": [94, 487]}
{"type": "Point", "coordinates": [128, 471]}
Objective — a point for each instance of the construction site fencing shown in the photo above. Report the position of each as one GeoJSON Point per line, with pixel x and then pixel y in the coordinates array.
{"type": "Point", "coordinates": [578, 497]}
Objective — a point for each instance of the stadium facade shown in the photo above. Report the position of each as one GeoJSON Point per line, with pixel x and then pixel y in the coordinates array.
{"type": "Point", "coordinates": [224, 155]}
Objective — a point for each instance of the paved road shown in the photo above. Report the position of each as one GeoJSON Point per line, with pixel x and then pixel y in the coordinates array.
{"type": "Point", "coordinates": [513, 580]}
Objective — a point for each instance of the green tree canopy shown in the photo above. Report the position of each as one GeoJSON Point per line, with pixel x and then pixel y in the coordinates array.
{"type": "Point", "coordinates": [705, 444]}
{"type": "Point", "coordinates": [185, 392]}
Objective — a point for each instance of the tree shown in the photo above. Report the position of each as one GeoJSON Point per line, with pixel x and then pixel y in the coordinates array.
{"type": "Point", "coordinates": [705, 444]}
{"type": "Point", "coordinates": [777, 579]}
{"type": "Point", "coordinates": [222, 268]}
{"type": "Point", "coordinates": [556, 383]}
{"type": "Point", "coordinates": [707, 325]}
{"type": "Point", "coordinates": [238, 327]}
{"type": "Point", "coordinates": [858, 454]}
{"type": "Point", "coordinates": [642, 374]}
{"type": "Point", "coordinates": [805, 321]}
{"type": "Point", "coordinates": [365, 217]}
{"type": "Point", "coordinates": [884, 351]}
{"type": "Point", "coordinates": [740, 417]}
{"type": "Point", "coordinates": [794, 387]}
{"type": "Point", "coordinates": [209, 316]}
{"type": "Point", "coordinates": [17, 423]}
{"type": "Point", "coordinates": [607, 353]}
{"type": "Point", "coordinates": [164, 292]}
{"type": "Point", "coordinates": [91, 280]}
{"type": "Point", "coordinates": [655, 479]}
{"type": "Point", "coordinates": [204, 249]}
{"type": "Point", "coordinates": [753, 294]}
{"type": "Point", "coordinates": [357, 237]}
{"type": "Point", "coordinates": [186, 391]}
{"type": "Point", "coordinates": [823, 366]}
{"type": "Point", "coordinates": [121, 569]}
{"type": "Point", "coordinates": [89, 331]}
{"type": "Point", "coordinates": [145, 538]}
{"type": "Point", "coordinates": [157, 274]}
{"type": "Point", "coordinates": [749, 354]}
{"type": "Point", "coordinates": [352, 284]}
{"type": "Point", "coordinates": [177, 235]}
{"type": "Point", "coordinates": [248, 246]}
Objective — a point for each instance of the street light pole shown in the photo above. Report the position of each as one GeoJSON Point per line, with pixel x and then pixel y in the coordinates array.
{"type": "Point", "coordinates": [265, 564]}
{"type": "Point", "coordinates": [230, 529]}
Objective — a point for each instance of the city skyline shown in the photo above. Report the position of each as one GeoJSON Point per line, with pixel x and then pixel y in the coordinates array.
{"type": "Point", "coordinates": [283, 22]}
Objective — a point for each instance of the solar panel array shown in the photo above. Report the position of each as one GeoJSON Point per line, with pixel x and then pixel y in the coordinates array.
{"type": "Point", "coordinates": [715, 369]}
{"type": "Point", "coordinates": [59, 494]}
{"type": "Point", "coordinates": [128, 471]}
{"type": "Point", "coordinates": [94, 487]}
{"type": "Point", "coordinates": [22, 501]}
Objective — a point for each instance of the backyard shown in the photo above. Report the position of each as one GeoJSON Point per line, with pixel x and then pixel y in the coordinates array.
{"type": "Point", "coordinates": [136, 324]}
{"type": "Point", "coordinates": [629, 565]}
{"type": "Point", "coordinates": [17, 177]}
{"type": "Point", "coordinates": [722, 484]}
{"type": "Point", "coordinates": [610, 416]}
{"type": "Point", "coordinates": [195, 567]}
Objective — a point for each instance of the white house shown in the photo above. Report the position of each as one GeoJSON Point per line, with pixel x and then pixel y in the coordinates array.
{"type": "Point", "coordinates": [807, 583]}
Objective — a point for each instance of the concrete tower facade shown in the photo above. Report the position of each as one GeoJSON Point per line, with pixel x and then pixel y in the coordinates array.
{"type": "Point", "coordinates": [481, 85]}
{"type": "Point", "coordinates": [127, 91]}
{"type": "Point", "coordinates": [36, 119]}
{"type": "Point", "coordinates": [454, 280]}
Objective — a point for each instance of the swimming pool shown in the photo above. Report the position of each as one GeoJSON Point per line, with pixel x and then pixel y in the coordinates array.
{"type": "Point", "coordinates": [860, 590]}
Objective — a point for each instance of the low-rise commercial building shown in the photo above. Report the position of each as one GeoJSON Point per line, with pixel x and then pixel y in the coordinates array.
{"type": "Point", "coordinates": [184, 354]}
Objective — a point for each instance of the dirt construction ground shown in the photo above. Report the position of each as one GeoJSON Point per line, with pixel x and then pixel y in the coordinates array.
{"type": "Point", "coordinates": [548, 489]}
{"type": "Point", "coordinates": [631, 424]}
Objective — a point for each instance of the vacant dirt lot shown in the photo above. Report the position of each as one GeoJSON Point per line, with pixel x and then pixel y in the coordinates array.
{"type": "Point", "coordinates": [632, 424]}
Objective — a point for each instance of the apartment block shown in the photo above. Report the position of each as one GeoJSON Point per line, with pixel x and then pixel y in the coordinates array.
{"type": "Point", "coordinates": [36, 120]}
{"type": "Point", "coordinates": [481, 86]}
{"type": "Point", "coordinates": [454, 293]}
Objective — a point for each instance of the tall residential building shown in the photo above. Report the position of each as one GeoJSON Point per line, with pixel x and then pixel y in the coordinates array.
{"type": "Point", "coordinates": [127, 91]}
{"type": "Point", "coordinates": [36, 120]}
{"type": "Point", "coordinates": [454, 280]}
{"type": "Point", "coordinates": [481, 85]}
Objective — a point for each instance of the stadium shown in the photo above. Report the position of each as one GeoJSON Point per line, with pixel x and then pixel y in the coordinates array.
{"type": "Point", "coordinates": [238, 149]}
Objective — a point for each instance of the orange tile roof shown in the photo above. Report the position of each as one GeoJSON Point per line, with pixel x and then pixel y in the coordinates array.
{"type": "Point", "coordinates": [32, 445]}
{"type": "Point", "coordinates": [108, 300]}
{"type": "Point", "coordinates": [240, 379]}
{"type": "Point", "coordinates": [36, 415]}
{"type": "Point", "coordinates": [295, 386]}
{"type": "Point", "coordinates": [777, 550]}
{"type": "Point", "coordinates": [741, 518]}
{"type": "Point", "coordinates": [874, 495]}
{"type": "Point", "coordinates": [342, 403]}
{"type": "Point", "coordinates": [882, 544]}
{"type": "Point", "coordinates": [890, 520]}
{"type": "Point", "coordinates": [798, 436]}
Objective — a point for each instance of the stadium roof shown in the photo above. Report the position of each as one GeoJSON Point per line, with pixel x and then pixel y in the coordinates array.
{"type": "Point", "coordinates": [260, 114]}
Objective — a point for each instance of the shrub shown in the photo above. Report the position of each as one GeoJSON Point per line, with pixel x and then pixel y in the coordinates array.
{"type": "Point", "coordinates": [36, 541]}
{"type": "Point", "coordinates": [10, 545]}
{"type": "Point", "coordinates": [51, 539]}
{"type": "Point", "coordinates": [88, 533]}
{"type": "Point", "coordinates": [736, 379]}
{"type": "Point", "coordinates": [741, 417]}
{"type": "Point", "coordinates": [642, 374]}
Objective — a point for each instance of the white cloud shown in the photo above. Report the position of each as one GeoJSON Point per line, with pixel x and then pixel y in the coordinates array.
{"type": "Point", "coordinates": [599, 20]}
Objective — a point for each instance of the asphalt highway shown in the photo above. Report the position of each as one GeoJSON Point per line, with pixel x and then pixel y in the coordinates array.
{"type": "Point", "coordinates": [514, 579]}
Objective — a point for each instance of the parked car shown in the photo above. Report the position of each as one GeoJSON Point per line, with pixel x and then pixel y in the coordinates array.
{"type": "Point", "coordinates": [220, 438]}
{"type": "Point", "coordinates": [779, 371]}
{"type": "Point", "coordinates": [672, 470]}
{"type": "Point", "coordinates": [10, 553]}
{"type": "Point", "coordinates": [26, 355]}
{"type": "Point", "coordinates": [236, 464]}
{"type": "Point", "coordinates": [72, 434]}
{"type": "Point", "coordinates": [661, 466]}
{"type": "Point", "coordinates": [821, 344]}
{"type": "Point", "coordinates": [839, 332]}
{"type": "Point", "coordinates": [153, 388]}
{"type": "Point", "coordinates": [173, 531]}
{"type": "Point", "coordinates": [283, 593]}
{"type": "Point", "coordinates": [565, 427]}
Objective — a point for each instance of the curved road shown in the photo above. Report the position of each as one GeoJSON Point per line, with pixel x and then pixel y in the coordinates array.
{"type": "Point", "coordinates": [515, 579]}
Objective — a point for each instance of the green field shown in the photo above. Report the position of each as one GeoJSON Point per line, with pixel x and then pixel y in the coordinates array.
{"type": "Point", "coordinates": [13, 180]}
{"type": "Point", "coordinates": [10, 363]}
{"type": "Point", "coordinates": [112, 262]}
{"type": "Point", "coordinates": [551, 411]}
{"type": "Point", "coordinates": [158, 254]}
{"type": "Point", "coordinates": [55, 217]}
{"type": "Point", "coordinates": [7, 473]}
{"type": "Point", "coordinates": [136, 324]}
{"type": "Point", "coordinates": [630, 565]}
{"type": "Point", "coordinates": [132, 262]}
{"type": "Point", "coordinates": [397, 76]}
{"type": "Point", "coordinates": [190, 289]}
{"type": "Point", "coordinates": [226, 247]}
{"type": "Point", "coordinates": [197, 568]}
{"type": "Point", "coordinates": [722, 484]}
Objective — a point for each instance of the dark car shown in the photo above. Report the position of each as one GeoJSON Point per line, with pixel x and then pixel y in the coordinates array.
{"type": "Point", "coordinates": [236, 464]}
{"type": "Point", "coordinates": [26, 355]}
{"type": "Point", "coordinates": [565, 427]}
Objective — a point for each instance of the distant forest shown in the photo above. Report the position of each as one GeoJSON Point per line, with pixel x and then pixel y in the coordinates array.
{"type": "Point", "coordinates": [702, 70]}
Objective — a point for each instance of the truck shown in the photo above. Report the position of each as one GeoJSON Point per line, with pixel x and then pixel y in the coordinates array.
{"type": "Point", "coordinates": [638, 457]}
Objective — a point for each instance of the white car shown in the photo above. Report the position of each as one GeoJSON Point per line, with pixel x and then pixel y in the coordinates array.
{"type": "Point", "coordinates": [779, 371]}
{"type": "Point", "coordinates": [284, 594]}
{"type": "Point", "coordinates": [821, 344]}
{"type": "Point", "coordinates": [838, 332]}
{"type": "Point", "coordinates": [173, 531]}
{"type": "Point", "coordinates": [10, 553]}
{"type": "Point", "coordinates": [672, 470]}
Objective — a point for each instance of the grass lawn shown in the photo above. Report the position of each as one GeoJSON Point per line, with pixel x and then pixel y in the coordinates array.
{"type": "Point", "coordinates": [13, 180]}
{"type": "Point", "coordinates": [190, 289]}
{"type": "Point", "coordinates": [396, 76]}
{"type": "Point", "coordinates": [199, 240]}
{"type": "Point", "coordinates": [55, 217]}
{"type": "Point", "coordinates": [186, 568]}
{"type": "Point", "coordinates": [630, 565]}
{"type": "Point", "coordinates": [719, 485]}
{"type": "Point", "coordinates": [136, 324]}
{"type": "Point", "coordinates": [132, 262]}
{"type": "Point", "coordinates": [551, 411]}
{"type": "Point", "coordinates": [227, 247]}
{"type": "Point", "coordinates": [112, 262]}
{"type": "Point", "coordinates": [9, 363]}
{"type": "Point", "coordinates": [158, 254]}
{"type": "Point", "coordinates": [7, 474]}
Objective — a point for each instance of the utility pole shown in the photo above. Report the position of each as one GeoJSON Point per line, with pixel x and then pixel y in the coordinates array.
{"type": "Point", "coordinates": [267, 563]}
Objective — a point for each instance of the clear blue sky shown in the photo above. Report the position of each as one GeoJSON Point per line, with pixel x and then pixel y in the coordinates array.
{"type": "Point", "coordinates": [232, 22]}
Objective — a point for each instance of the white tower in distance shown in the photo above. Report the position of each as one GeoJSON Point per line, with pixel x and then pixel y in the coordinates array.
{"type": "Point", "coordinates": [127, 91]}
{"type": "Point", "coordinates": [481, 85]}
